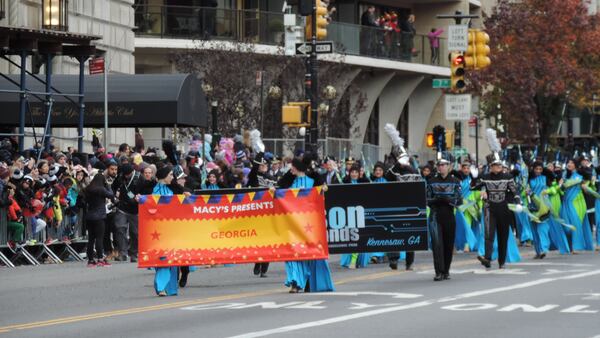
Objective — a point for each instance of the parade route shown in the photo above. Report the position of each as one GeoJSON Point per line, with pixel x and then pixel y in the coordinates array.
{"type": "Point", "coordinates": [556, 297]}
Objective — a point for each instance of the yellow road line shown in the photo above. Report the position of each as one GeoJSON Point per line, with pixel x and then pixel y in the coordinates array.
{"type": "Point", "coordinates": [80, 318]}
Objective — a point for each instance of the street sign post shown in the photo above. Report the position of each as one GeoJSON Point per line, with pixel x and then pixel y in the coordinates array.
{"type": "Point", "coordinates": [441, 83]}
{"type": "Point", "coordinates": [458, 107]}
{"type": "Point", "coordinates": [323, 47]}
{"type": "Point", "coordinates": [458, 38]}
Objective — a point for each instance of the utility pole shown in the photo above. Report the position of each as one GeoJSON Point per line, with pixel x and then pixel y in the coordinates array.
{"type": "Point", "coordinates": [312, 85]}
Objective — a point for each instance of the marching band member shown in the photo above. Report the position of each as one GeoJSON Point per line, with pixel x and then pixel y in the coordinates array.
{"type": "Point", "coordinates": [495, 189]}
{"type": "Point", "coordinates": [574, 210]}
{"type": "Point", "coordinates": [443, 194]}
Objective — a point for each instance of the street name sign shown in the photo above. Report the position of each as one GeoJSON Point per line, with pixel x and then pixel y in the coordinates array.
{"type": "Point", "coordinates": [323, 47]}
{"type": "Point", "coordinates": [441, 83]}
{"type": "Point", "coordinates": [458, 107]}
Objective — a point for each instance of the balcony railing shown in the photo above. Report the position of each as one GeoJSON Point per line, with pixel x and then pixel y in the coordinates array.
{"type": "Point", "coordinates": [204, 23]}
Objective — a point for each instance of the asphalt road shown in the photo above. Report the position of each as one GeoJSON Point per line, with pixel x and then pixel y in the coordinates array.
{"type": "Point", "coordinates": [556, 297]}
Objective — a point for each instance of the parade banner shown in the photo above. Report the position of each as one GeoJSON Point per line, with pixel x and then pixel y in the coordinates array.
{"type": "Point", "coordinates": [376, 217]}
{"type": "Point", "coordinates": [243, 227]}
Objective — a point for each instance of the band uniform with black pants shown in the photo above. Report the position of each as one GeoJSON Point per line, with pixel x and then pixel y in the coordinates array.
{"type": "Point", "coordinates": [400, 172]}
{"type": "Point", "coordinates": [497, 188]}
{"type": "Point", "coordinates": [443, 194]}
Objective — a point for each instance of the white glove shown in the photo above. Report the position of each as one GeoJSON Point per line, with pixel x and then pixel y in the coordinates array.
{"type": "Point", "coordinates": [474, 171]}
{"type": "Point", "coordinates": [518, 208]}
{"type": "Point", "coordinates": [404, 160]}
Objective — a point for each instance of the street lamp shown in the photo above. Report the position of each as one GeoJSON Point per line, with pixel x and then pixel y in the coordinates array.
{"type": "Point", "coordinates": [55, 15]}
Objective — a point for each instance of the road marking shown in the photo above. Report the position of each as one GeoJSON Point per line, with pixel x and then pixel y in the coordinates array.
{"type": "Point", "coordinates": [552, 264]}
{"type": "Point", "coordinates": [332, 320]}
{"type": "Point", "coordinates": [588, 296]}
{"type": "Point", "coordinates": [362, 306]}
{"type": "Point", "coordinates": [479, 271]}
{"type": "Point", "coordinates": [369, 293]}
{"type": "Point", "coordinates": [114, 313]}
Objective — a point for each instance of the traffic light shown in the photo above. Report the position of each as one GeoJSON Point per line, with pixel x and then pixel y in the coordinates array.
{"type": "Point", "coordinates": [321, 12]}
{"type": "Point", "coordinates": [430, 142]}
{"type": "Point", "coordinates": [457, 72]}
{"type": "Point", "coordinates": [296, 114]}
{"type": "Point", "coordinates": [477, 53]}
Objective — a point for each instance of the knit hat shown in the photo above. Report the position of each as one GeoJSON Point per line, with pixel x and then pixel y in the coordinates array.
{"type": "Point", "coordinates": [126, 169]}
{"type": "Point", "coordinates": [163, 172]}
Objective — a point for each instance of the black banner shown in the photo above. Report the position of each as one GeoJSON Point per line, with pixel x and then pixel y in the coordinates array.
{"type": "Point", "coordinates": [376, 217]}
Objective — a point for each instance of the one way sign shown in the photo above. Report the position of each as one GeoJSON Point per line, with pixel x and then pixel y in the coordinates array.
{"type": "Point", "coordinates": [323, 47]}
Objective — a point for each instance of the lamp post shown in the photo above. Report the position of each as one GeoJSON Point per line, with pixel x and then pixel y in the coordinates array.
{"type": "Point", "coordinates": [55, 15]}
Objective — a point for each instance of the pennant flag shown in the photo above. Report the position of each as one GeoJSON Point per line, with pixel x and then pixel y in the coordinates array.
{"type": "Point", "coordinates": [304, 192]}
{"type": "Point", "coordinates": [295, 192]}
{"type": "Point", "coordinates": [251, 195]}
{"type": "Point", "coordinates": [238, 198]}
{"type": "Point", "coordinates": [155, 198]}
{"type": "Point", "coordinates": [280, 193]}
{"type": "Point", "coordinates": [205, 198]}
{"type": "Point", "coordinates": [181, 198]}
{"type": "Point", "coordinates": [164, 199]}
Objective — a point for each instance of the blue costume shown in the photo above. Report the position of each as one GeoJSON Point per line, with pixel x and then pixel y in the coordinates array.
{"type": "Point", "coordinates": [315, 272]}
{"type": "Point", "coordinates": [464, 232]}
{"type": "Point", "coordinates": [573, 211]}
{"type": "Point", "coordinates": [165, 279]}
{"type": "Point", "coordinates": [541, 230]}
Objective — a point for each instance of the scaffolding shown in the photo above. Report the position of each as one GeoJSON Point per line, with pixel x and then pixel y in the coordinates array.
{"type": "Point", "coordinates": [25, 43]}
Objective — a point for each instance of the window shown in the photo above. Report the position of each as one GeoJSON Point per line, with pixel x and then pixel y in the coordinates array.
{"type": "Point", "coordinates": [372, 133]}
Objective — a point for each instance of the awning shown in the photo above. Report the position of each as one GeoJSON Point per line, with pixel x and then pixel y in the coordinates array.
{"type": "Point", "coordinates": [145, 100]}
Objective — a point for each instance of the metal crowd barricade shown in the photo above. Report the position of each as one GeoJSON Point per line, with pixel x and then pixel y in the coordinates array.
{"type": "Point", "coordinates": [5, 250]}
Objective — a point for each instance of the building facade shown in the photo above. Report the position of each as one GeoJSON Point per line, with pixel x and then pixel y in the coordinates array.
{"type": "Point", "coordinates": [112, 20]}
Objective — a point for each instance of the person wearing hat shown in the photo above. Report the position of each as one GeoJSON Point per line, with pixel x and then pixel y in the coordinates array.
{"type": "Point", "coordinates": [443, 195]}
{"type": "Point", "coordinates": [496, 188]}
{"type": "Point", "coordinates": [276, 172]}
{"type": "Point", "coordinates": [165, 279]}
{"type": "Point", "coordinates": [259, 177]}
{"type": "Point", "coordinates": [349, 163]}
{"type": "Point", "coordinates": [355, 260]}
{"type": "Point", "coordinates": [127, 190]}
{"type": "Point", "coordinates": [313, 275]}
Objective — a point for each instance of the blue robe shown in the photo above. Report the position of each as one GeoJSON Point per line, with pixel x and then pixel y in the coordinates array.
{"type": "Point", "coordinates": [541, 231]}
{"type": "Point", "coordinates": [464, 233]}
{"type": "Point", "coordinates": [165, 279]}
{"type": "Point", "coordinates": [581, 237]}
{"type": "Point", "coordinates": [316, 272]}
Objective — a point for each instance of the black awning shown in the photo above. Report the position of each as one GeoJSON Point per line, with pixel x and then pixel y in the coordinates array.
{"type": "Point", "coordinates": [146, 100]}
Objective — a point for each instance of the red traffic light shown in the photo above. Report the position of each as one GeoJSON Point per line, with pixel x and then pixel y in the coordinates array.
{"type": "Point", "coordinates": [458, 60]}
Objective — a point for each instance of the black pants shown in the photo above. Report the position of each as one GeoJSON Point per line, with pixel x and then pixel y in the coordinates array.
{"type": "Point", "coordinates": [395, 256]}
{"type": "Point", "coordinates": [110, 243]}
{"type": "Point", "coordinates": [443, 230]}
{"type": "Point", "coordinates": [497, 223]}
{"type": "Point", "coordinates": [261, 268]}
{"type": "Point", "coordinates": [95, 239]}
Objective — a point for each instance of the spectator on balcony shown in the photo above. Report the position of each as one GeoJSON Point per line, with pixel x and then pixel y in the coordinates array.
{"type": "Point", "coordinates": [368, 32]}
{"type": "Point", "coordinates": [408, 32]}
{"type": "Point", "coordinates": [208, 17]}
{"type": "Point", "coordinates": [434, 43]}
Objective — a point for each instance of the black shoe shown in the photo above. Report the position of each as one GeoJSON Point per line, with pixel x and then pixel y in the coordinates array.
{"type": "Point", "coordinates": [263, 275]}
{"type": "Point", "coordinates": [543, 255]}
{"type": "Point", "coordinates": [484, 261]}
{"type": "Point", "coordinates": [183, 279]}
{"type": "Point", "coordinates": [409, 267]}
{"type": "Point", "coordinates": [256, 269]}
{"type": "Point", "coordinates": [394, 265]}
{"type": "Point", "coordinates": [121, 258]}
{"type": "Point", "coordinates": [501, 266]}
{"type": "Point", "coordinates": [446, 276]}
{"type": "Point", "coordinates": [438, 277]}
{"type": "Point", "coordinates": [133, 259]}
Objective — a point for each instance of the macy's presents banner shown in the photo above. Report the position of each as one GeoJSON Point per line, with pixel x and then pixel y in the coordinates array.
{"type": "Point", "coordinates": [244, 227]}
